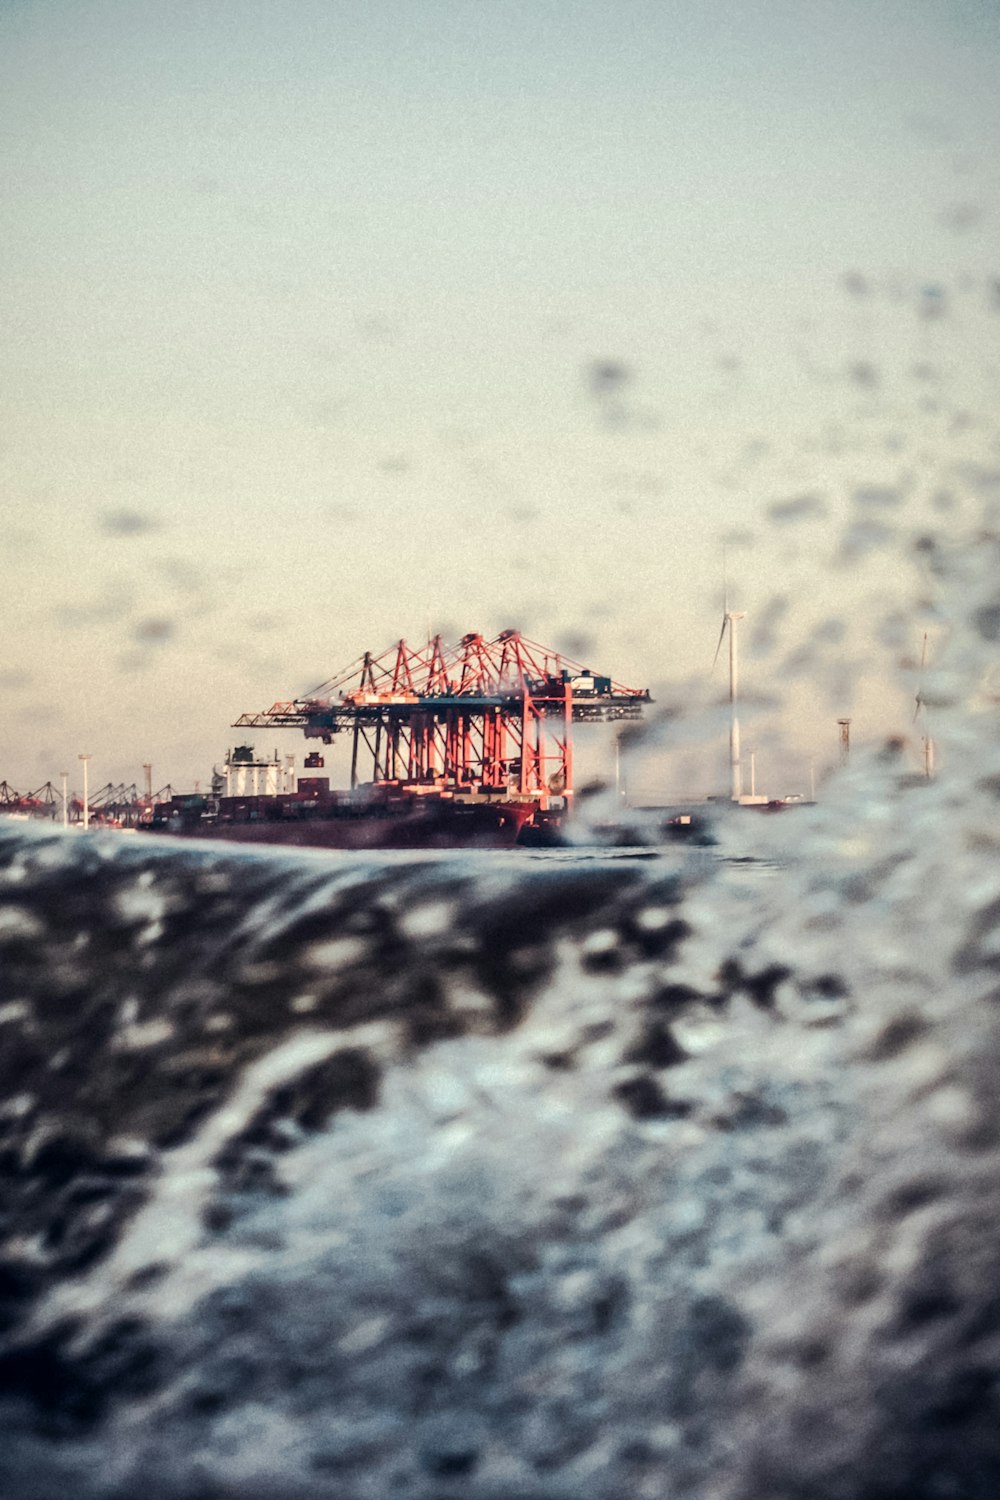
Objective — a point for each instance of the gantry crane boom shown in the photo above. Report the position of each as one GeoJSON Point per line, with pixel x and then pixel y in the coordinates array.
{"type": "Point", "coordinates": [485, 714]}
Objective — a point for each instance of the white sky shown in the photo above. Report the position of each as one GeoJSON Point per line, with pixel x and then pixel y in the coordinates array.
{"type": "Point", "coordinates": [301, 306]}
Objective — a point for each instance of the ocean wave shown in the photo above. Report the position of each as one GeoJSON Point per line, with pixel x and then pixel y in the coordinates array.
{"type": "Point", "coordinates": [510, 1175]}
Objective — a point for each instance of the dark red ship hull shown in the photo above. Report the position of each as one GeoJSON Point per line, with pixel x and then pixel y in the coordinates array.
{"type": "Point", "coordinates": [346, 822]}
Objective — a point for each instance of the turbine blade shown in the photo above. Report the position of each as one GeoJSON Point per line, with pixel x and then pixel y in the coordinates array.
{"type": "Point", "coordinates": [718, 648]}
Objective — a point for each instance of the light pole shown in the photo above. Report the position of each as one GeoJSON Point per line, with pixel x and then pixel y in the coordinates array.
{"type": "Point", "coordinates": [86, 790]}
{"type": "Point", "coordinates": [65, 783]}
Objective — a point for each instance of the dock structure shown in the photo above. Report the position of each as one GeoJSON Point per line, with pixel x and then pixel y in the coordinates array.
{"type": "Point", "coordinates": [44, 802]}
{"type": "Point", "coordinates": [481, 718]}
{"type": "Point", "coordinates": [115, 805]}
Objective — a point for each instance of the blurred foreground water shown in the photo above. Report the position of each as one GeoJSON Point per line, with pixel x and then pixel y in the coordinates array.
{"type": "Point", "coordinates": [508, 1176]}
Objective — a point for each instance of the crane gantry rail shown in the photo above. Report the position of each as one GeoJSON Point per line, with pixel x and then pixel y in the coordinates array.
{"type": "Point", "coordinates": [484, 717]}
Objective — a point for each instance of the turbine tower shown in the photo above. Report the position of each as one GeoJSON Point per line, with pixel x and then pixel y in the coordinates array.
{"type": "Point", "coordinates": [729, 620]}
{"type": "Point", "coordinates": [920, 712]}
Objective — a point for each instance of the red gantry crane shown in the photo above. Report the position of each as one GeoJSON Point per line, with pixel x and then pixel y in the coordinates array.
{"type": "Point", "coordinates": [485, 718]}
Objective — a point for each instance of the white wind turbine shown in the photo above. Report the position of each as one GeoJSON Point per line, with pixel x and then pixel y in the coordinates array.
{"type": "Point", "coordinates": [730, 619]}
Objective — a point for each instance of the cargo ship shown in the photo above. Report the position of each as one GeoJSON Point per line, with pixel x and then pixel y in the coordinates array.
{"type": "Point", "coordinates": [380, 816]}
{"type": "Point", "coordinates": [466, 746]}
